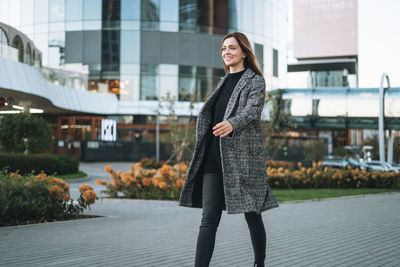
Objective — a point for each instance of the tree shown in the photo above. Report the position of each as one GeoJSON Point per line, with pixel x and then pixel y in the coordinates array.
{"type": "Point", "coordinates": [24, 132]}
{"type": "Point", "coordinates": [181, 139]}
{"type": "Point", "coordinates": [276, 130]}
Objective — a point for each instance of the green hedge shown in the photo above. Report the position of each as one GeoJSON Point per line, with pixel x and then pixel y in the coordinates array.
{"type": "Point", "coordinates": [49, 164]}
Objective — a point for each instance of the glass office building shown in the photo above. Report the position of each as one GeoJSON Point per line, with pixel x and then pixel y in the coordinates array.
{"type": "Point", "coordinates": [142, 49]}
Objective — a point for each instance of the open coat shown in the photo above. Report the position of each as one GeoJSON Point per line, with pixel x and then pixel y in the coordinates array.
{"type": "Point", "coordinates": [244, 171]}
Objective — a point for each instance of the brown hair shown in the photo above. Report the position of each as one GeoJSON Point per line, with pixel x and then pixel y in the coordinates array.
{"type": "Point", "coordinates": [250, 60]}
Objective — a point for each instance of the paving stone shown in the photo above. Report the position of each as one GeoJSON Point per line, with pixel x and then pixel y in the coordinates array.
{"type": "Point", "coordinates": [348, 231]}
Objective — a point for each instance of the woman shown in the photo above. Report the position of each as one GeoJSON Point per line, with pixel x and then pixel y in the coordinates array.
{"type": "Point", "coordinates": [228, 170]}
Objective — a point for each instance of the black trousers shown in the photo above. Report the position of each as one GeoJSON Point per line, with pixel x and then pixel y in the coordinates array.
{"type": "Point", "coordinates": [213, 203]}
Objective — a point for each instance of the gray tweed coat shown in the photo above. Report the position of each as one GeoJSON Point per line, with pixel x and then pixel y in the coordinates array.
{"type": "Point", "coordinates": [243, 164]}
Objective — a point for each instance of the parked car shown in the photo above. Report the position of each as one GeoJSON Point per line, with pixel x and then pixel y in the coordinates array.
{"type": "Point", "coordinates": [377, 165]}
{"type": "Point", "coordinates": [335, 162]}
{"type": "Point", "coordinates": [338, 162]}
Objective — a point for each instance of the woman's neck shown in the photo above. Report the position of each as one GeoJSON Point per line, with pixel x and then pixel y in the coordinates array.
{"type": "Point", "coordinates": [236, 68]}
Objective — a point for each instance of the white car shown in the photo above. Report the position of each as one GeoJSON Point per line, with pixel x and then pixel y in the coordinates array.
{"type": "Point", "coordinates": [377, 165]}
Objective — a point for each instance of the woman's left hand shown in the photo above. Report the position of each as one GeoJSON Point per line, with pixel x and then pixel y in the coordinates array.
{"type": "Point", "coordinates": [222, 129]}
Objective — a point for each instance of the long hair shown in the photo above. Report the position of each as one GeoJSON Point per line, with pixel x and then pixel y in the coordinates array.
{"type": "Point", "coordinates": [250, 60]}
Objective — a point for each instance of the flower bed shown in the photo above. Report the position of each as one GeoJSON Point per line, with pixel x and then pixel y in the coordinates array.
{"type": "Point", "coordinates": [166, 182]}
{"type": "Point", "coordinates": [318, 177]}
{"type": "Point", "coordinates": [163, 183]}
{"type": "Point", "coordinates": [39, 198]}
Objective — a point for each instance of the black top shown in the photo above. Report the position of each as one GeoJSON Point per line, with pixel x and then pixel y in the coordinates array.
{"type": "Point", "coordinates": [213, 157]}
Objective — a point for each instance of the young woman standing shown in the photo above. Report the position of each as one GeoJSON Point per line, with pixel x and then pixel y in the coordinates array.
{"type": "Point", "coordinates": [228, 171]}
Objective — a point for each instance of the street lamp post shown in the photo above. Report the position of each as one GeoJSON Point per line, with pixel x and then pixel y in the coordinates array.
{"type": "Point", "coordinates": [382, 118]}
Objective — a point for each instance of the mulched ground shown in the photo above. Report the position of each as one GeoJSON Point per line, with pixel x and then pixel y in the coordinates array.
{"type": "Point", "coordinates": [17, 222]}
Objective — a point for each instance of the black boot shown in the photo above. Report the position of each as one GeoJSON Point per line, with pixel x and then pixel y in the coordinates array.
{"type": "Point", "coordinates": [258, 264]}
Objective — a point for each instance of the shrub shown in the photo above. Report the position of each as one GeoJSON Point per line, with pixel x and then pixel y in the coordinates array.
{"type": "Point", "coordinates": [37, 163]}
{"type": "Point", "coordinates": [38, 198]}
{"type": "Point", "coordinates": [163, 183]}
{"type": "Point", "coordinates": [24, 132]}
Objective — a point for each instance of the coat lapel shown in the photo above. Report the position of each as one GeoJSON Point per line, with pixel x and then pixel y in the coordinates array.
{"type": "Point", "coordinates": [239, 86]}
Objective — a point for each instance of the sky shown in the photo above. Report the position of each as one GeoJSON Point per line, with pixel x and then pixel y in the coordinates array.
{"type": "Point", "coordinates": [378, 43]}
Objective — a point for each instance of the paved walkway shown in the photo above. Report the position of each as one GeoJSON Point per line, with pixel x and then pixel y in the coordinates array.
{"type": "Point", "coordinates": [348, 231]}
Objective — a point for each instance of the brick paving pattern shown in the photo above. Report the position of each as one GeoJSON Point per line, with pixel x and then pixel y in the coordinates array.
{"type": "Point", "coordinates": [348, 231]}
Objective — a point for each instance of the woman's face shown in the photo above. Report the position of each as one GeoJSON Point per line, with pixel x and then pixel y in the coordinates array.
{"type": "Point", "coordinates": [232, 53]}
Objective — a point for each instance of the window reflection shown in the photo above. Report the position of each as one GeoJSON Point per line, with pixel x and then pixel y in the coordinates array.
{"type": "Point", "coordinates": [148, 82]}
{"type": "Point", "coordinates": [130, 9]}
{"type": "Point", "coordinates": [195, 83]}
{"type": "Point", "coordinates": [41, 12]}
{"type": "Point", "coordinates": [111, 14]}
{"type": "Point", "coordinates": [130, 46]}
{"type": "Point", "coordinates": [56, 10]}
{"type": "Point", "coordinates": [74, 10]}
{"type": "Point", "coordinates": [189, 14]}
{"type": "Point", "coordinates": [110, 50]}
{"type": "Point", "coordinates": [56, 49]}
{"type": "Point", "coordinates": [169, 16]}
{"type": "Point", "coordinates": [150, 14]}
{"type": "Point", "coordinates": [92, 9]}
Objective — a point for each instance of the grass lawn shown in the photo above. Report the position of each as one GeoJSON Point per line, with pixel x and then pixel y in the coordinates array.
{"type": "Point", "coordinates": [77, 175]}
{"type": "Point", "coordinates": [305, 194]}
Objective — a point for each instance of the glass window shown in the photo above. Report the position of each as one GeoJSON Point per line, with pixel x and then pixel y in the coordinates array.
{"type": "Point", "coordinates": [28, 54]}
{"type": "Point", "coordinates": [248, 15]}
{"type": "Point", "coordinates": [130, 68]}
{"type": "Point", "coordinates": [187, 82]}
{"type": "Point", "coordinates": [169, 15]}
{"type": "Point", "coordinates": [17, 43]}
{"type": "Point", "coordinates": [74, 10]}
{"type": "Point", "coordinates": [130, 10]}
{"type": "Point", "coordinates": [275, 63]}
{"type": "Point", "coordinates": [259, 17]}
{"type": "Point", "coordinates": [73, 25]}
{"type": "Point", "coordinates": [189, 14]}
{"type": "Point", "coordinates": [203, 83]}
{"type": "Point", "coordinates": [92, 25]}
{"type": "Point", "coordinates": [111, 14]}
{"type": "Point", "coordinates": [41, 42]}
{"type": "Point", "coordinates": [56, 10]}
{"type": "Point", "coordinates": [234, 14]}
{"type": "Point", "coordinates": [148, 82]}
{"type": "Point", "coordinates": [41, 11]}
{"type": "Point", "coordinates": [3, 37]}
{"type": "Point", "coordinates": [169, 80]}
{"type": "Point", "coordinates": [150, 14]}
{"type": "Point", "coordinates": [26, 12]}
{"type": "Point", "coordinates": [130, 46]}
{"type": "Point", "coordinates": [92, 10]}
{"type": "Point", "coordinates": [110, 41]}
{"type": "Point", "coordinates": [56, 49]}
{"type": "Point", "coordinates": [129, 84]}
{"type": "Point", "coordinates": [259, 53]}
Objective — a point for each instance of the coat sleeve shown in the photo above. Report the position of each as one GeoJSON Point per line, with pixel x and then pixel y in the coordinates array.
{"type": "Point", "coordinates": [253, 108]}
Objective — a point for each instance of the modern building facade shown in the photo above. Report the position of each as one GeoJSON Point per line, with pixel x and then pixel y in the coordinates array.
{"type": "Point", "coordinates": [325, 42]}
{"type": "Point", "coordinates": [140, 50]}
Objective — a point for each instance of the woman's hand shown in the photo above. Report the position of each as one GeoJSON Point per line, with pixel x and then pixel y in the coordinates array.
{"type": "Point", "coordinates": [222, 129]}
